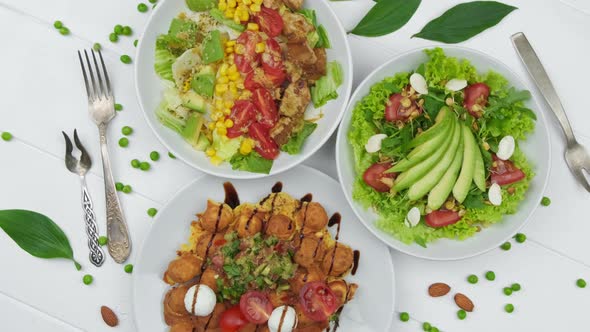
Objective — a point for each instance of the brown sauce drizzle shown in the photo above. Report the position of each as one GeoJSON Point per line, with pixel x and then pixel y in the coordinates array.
{"type": "Point", "coordinates": [355, 261]}
{"type": "Point", "coordinates": [301, 236]}
{"type": "Point", "coordinates": [336, 219]}
{"type": "Point", "coordinates": [307, 198]}
{"type": "Point", "coordinates": [277, 188]}
{"type": "Point", "coordinates": [315, 252]}
{"type": "Point", "coordinates": [231, 195]}
{"type": "Point", "coordinates": [282, 318]}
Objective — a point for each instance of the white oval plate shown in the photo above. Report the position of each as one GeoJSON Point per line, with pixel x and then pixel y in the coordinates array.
{"type": "Point", "coordinates": [373, 306]}
{"type": "Point", "coordinates": [149, 92]}
{"type": "Point", "coordinates": [536, 147]}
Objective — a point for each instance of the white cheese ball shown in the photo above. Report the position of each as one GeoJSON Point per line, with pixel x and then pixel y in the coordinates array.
{"type": "Point", "coordinates": [374, 143]}
{"type": "Point", "coordinates": [495, 194]}
{"type": "Point", "coordinates": [506, 147]}
{"type": "Point", "coordinates": [205, 302]}
{"type": "Point", "coordinates": [289, 320]}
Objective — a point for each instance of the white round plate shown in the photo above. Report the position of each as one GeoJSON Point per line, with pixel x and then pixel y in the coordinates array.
{"type": "Point", "coordinates": [149, 92]}
{"type": "Point", "coordinates": [537, 149]}
{"type": "Point", "coordinates": [373, 306]}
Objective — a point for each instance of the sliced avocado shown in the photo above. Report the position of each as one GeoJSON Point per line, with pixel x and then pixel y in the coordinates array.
{"type": "Point", "coordinates": [192, 129]}
{"type": "Point", "coordinates": [443, 116]}
{"type": "Point", "coordinates": [201, 5]}
{"type": "Point", "coordinates": [212, 47]}
{"type": "Point", "coordinates": [479, 174]}
{"type": "Point", "coordinates": [202, 144]}
{"type": "Point", "coordinates": [425, 184]}
{"type": "Point", "coordinates": [219, 16]}
{"type": "Point", "coordinates": [463, 183]}
{"type": "Point", "coordinates": [193, 101]}
{"type": "Point", "coordinates": [203, 82]}
{"type": "Point", "coordinates": [409, 177]}
{"type": "Point", "coordinates": [439, 194]}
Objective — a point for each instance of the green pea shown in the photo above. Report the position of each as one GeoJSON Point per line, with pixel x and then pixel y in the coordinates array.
{"type": "Point", "coordinates": [119, 186]}
{"type": "Point", "coordinates": [506, 246]}
{"type": "Point", "coordinates": [128, 268]}
{"type": "Point", "coordinates": [461, 314]}
{"type": "Point", "coordinates": [127, 130]}
{"type": "Point", "coordinates": [103, 240]}
{"type": "Point", "coordinates": [64, 31]}
{"type": "Point", "coordinates": [434, 329]}
{"type": "Point", "coordinates": [135, 163]}
{"type": "Point", "coordinates": [118, 107]}
{"type": "Point", "coordinates": [135, 43]}
{"type": "Point", "coordinates": [58, 24]}
{"type": "Point", "coordinates": [144, 166]}
{"type": "Point", "coordinates": [508, 291]}
{"type": "Point", "coordinates": [520, 238]}
{"type": "Point", "coordinates": [490, 275]}
{"type": "Point", "coordinates": [472, 279]}
{"type": "Point", "coordinates": [87, 279]}
{"type": "Point", "coordinates": [581, 283]}
{"type": "Point", "coordinates": [155, 155]}
{"type": "Point", "coordinates": [78, 266]}
{"type": "Point", "coordinates": [118, 29]}
{"type": "Point", "coordinates": [142, 7]}
{"type": "Point", "coordinates": [152, 212]}
{"type": "Point", "coordinates": [123, 142]}
{"type": "Point", "coordinates": [404, 316]}
{"type": "Point", "coordinates": [509, 308]}
{"type": "Point", "coordinates": [126, 189]}
{"type": "Point", "coordinates": [97, 47]}
{"type": "Point", "coordinates": [426, 327]}
{"type": "Point", "coordinates": [153, 1]}
{"type": "Point", "coordinates": [127, 31]}
{"type": "Point", "coordinates": [6, 136]}
{"type": "Point", "coordinates": [125, 59]}
{"type": "Point", "coordinates": [171, 155]}
{"type": "Point", "coordinates": [114, 37]}
{"type": "Point", "coordinates": [546, 201]}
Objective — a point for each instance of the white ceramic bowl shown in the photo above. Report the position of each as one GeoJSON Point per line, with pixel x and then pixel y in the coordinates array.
{"type": "Point", "coordinates": [536, 147]}
{"type": "Point", "coordinates": [149, 91]}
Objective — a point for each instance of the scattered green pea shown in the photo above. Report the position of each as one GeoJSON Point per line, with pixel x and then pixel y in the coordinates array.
{"type": "Point", "coordinates": [546, 201]}
{"type": "Point", "coordinates": [118, 107]}
{"type": "Point", "coordinates": [404, 316]}
{"type": "Point", "coordinates": [64, 31]}
{"type": "Point", "coordinates": [125, 59]}
{"type": "Point", "coordinates": [171, 155]}
{"type": "Point", "coordinates": [155, 155]}
{"type": "Point", "coordinates": [490, 275]}
{"type": "Point", "coordinates": [507, 291]}
{"type": "Point", "coordinates": [509, 308]}
{"type": "Point", "coordinates": [6, 136]}
{"type": "Point", "coordinates": [135, 163]}
{"type": "Point", "coordinates": [126, 189]}
{"type": "Point", "coordinates": [152, 212]}
{"type": "Point", "coordinates": [472, 279]}
{"type": "Point", "coordinates": [144, 166]}
{"type": "Point", "coordinates": [135, 43]}
{"type": "Point", "coordinates": [127, 130]}
{"type": "Point", "coordinates": [113, 37]}
{"type": "Point", "coordinates": [97, 47]}
{"type": "Point", "coordinates": [581, 283]}
{"type": "Point", "coordinates": [58, 24]}
{"type": "Point", "coordinates": [78, 266]}
{"type": "Point", "coordinates": [515, 287]}
{"type": "Point", "coordinates": [118, 29]}
{"type": "Point", "coordinates": [434, 329]}
{"type": "Point", "coordinates": [123, 142]}
{"type": "Point", "coordinates": [426, 327]}
{"type": "Point", "coordinates": [87, 279]}
{"type": "Point", "coordinates": [461, 314]}
{"type": "Point", "coordinates": [506, 246]}
{"type": "Point", "coordinates": [119, 186]}
{"type": "Point", "coordinates": [127, 31]}
{"type": "Point", "coordinates": [103, 240]}
{"type": "Point", "coordinates": [128, 268]}
{"type": "Point", "coordinates": [153, 1]}
{"type": "Point", "coordinates": [142, 7]}
{"type": "Point", "coordinates": [520, 238]}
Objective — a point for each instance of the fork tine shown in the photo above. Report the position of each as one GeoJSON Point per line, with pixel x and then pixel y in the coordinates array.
{"type": "Point", "coordinates": [96, 93]}
{"type": "Point", "coordinates": [582, 178]}
{"type": "Point", "coordinates": [85, 76]}
{"type": "Point", "coordinates": [69, 147]}
{"type": "Point", "coordinates": [99, 76]}
{"type": "Point", "coordinates": [109, 92]}
{"type": "Point", "coordinates": [84, 157]}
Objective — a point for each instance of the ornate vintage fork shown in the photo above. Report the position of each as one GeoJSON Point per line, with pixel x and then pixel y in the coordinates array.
{"type": "Point", "coordinates": [101, 106]}
{"type": "Point", "coordinates": [576, 156]}
{"type": "Point", "coordinates": [81, 167]}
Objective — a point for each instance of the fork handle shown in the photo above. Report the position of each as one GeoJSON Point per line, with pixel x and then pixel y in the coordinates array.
{"type": "Point", "coordinates": [537, 71]}
{"type": "Point", "coordinates": [119, 243]}
{"type": "Point", "coordinates": [96, 254]}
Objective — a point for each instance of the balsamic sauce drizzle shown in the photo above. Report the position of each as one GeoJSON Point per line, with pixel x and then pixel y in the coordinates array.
{"type": "Point", "coordinates": [282, 318]}
{"type": "Point", "coordinates": [231, 195]}
{"type": "Point", "coordinates": [355, 261]}
{"type": "Point", "coordinates": [336, 219]}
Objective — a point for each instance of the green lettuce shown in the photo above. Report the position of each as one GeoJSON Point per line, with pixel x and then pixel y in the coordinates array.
{"type": "Point", "coordinates": [163, 64]}
{"type": "Point", "coordinates": [295, 143]}
{"type": "Point", "coordinates": [325, 88]}
{"type": "Point", "coordinates": [252, 162]}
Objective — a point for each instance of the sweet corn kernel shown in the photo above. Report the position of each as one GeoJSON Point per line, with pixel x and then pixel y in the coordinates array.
{"type": "Point", "coordinates": [218, 103]}
{"type": "Point", "coordinates": [230, 43]}
{"type": "Point", "coordinates": [253, 27]}
{"type": "Point", "coordinates": [228, 123]}
{"type": "Point", "coordinates": [258, 2]}
{"type": "Point", "coordinates": [215, 160]}
{"type": "Point", "coordinates": [240, 86]}
{"type": "Point", "coordinates": [255, 7]}
{"type": "Point", "coordinates": [232, 69]}
{"type": "Point", "coordinates": [211, 152]}
{"type": "Point", "coordinates": [222, 131]}
{"type": "Point", "coordinates": [260, 47]}
{"type": "Point", "coordinates": [223, 69]}
{"type": "Point", "coordinates": [234, 76]}
{"type": "Point", "coordinates": [223, 80]}
{"type": "Point", "coordinates": [229, 13]}
{"type": "Point", "coordinates": [246, 146]}
{"type": "Point", "coordinates": [228, 104]}
{"type": "Point", "coordinates": [211, 125]}
{"type": "Point", "coordinates": [232, 3]}
{"type": "Point", "coordinates": [229, 50]}
{"type": "Point", "coordinates": [218, 115]}
{"type": "Point", "coordinates": [220, 124]}
{"type": "Point", "coordinates": [240, 49]}
{"type": "Point", "coordinates": [237, 18]}
{"type": "Point", "coordinates": [222, 6]}
{"type": "Point", "coordinates": [244, 15]}
{"type": "Point", "coordinates": [227, 111]}
{"type": "Point", "coordinates": [247, 2]}
{"type": "Point", "coordinates": [221, 88]}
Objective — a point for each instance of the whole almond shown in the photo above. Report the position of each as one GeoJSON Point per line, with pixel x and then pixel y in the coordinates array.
{"type": "Point", "coordinates": [464, 302]}
{"type": "Point", "coordinates": [109, 317]}
{"type": "Point", "coordinates": [438, 289]}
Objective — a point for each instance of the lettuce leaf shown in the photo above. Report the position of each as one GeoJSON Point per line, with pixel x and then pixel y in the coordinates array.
{"type": "Point", "coordinates": [293, 146]}
{"type": "Point", "coordinates": [252, 162]}
{"type": "Point", "coordinates": [325, 88]}
{"type": "Point", "coordinates": [163, 64]}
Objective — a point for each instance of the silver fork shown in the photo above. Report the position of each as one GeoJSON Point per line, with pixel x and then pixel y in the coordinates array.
{"type": "Point", "coordinates": [576, 156]}
{"type": "Point", "coordinates": [81, 167]}
{"type": "Point", "coordinates": [101, 106]}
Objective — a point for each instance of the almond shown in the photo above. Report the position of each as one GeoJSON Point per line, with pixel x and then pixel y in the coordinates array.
{"type": "Point", "coordinates": [464, 302]}
{"type": "Point", "coordinates": [438, 289]}
{"type": "Point", "coordinates": [109, 317]}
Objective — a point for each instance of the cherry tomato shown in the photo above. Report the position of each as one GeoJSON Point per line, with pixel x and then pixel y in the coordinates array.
{"type": "Point", "coordinates": [249, 59]}
{"type": "Point", "coordinates": [442, 218]}
{"type": "Point", "coordinates": [392, 108]}
{"type": "Point", "coordinates": [375, 173]}
{"type": "Point", "coordinates": [251, 83]}
{"type": "Point", "coordinates": [232, 319]}
{"type": "Point", "coordinates": [505, 172]}
{"type": "Point", "coordinates": [265, 145]}
{"type": "Point", "coordinates": [220, 242]}
{"type": "Point", "coordinates": [270, 22]}
{"type": "Point", "coordinates": [318, 301]}
{"type": "Point", "coordinates": [267, 108]}
{"type": "Point", "coordinates": [242, 114]}
{"type": "Point", "coordinates": [476, 94]}
{"type": "Point", "coordinates": [256, 307]}
{"type": "Point", "coordinates": [272, 63]}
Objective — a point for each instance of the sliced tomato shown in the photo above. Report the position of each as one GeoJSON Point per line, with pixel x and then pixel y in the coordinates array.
{"type": "Point", "coordinates": [242, 114]}
{"type": "Point", "coordinates": [272, 63]}
{"type": "Point", "coordinates": [318, 300]}
{"type": "Point", "coordinates": [441, 218]}
{"type": "Point", "coordinates": [251, 83]}
{"type": "Point", "coordinates": [394, 111]}
{"type": "Point", "coordinates": [374, 174]}
{"type": "Point", "coordinates": [265, 145]}
{"type": "Point", "coordinates": [232, 319]}
{"type": "Point", "coordinates": [267, 108]}
{"type": "Point", "coordinates": [504, 172]}
{"type": "Point", "coordinates": [249, 59]}
{"type": "Point", "coordinates": [256, 307]}
{"type": "Point", "coordinates": [270, 21]}
{"type": "Point", "coordinates": [476, 94]}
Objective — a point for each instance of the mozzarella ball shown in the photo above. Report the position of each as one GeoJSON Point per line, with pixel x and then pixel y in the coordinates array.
{"type": "Point", "coordinates": [289, 320]}
{"type": "Point", "coordinates": [204, 303]}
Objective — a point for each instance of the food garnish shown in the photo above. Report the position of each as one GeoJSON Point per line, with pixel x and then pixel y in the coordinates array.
{"type": "Point", "coordinates": [6, 136]}
{"type": "Point", "coordinates": [490, 275]}
{"type": "Point", "coordinates": [581, 283]}
{"type": "Point", "coordinates": [87, 279]}
{"type": "Point", "coordinates": [108, 316]}
{"type": "Point", "coordinates": [438, 289]}
{"type": "Point", "coordinates": [463, 302]}
{"type": "Point", "coordinates": [404, 316]}
{"type": "Point", "coordinates": [509, 308]}
{"type": "Point", "coordinates": [545, 201]}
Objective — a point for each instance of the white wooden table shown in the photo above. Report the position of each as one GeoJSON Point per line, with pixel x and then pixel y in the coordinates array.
{"type": "Point", "coordinates": [41, 94]}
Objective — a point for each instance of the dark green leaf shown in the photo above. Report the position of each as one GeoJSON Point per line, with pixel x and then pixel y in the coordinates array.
{"type": "Point", "coordinates": [36, 234]}
{"type": "Point", "coordinates": [251, 163]}
{"type": "Point", "coordinates": [293, 146]}
{"type": "Point", "coordinates": [465, 21]}
{"type": "Point", "coordinates": [386, 17]}
{"type": "Point", "coordinates": [474, 200]}
{"type": "Point", "coordinates": [420, 241]}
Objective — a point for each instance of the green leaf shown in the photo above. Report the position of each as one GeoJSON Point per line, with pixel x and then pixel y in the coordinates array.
{"type": "Point", "coordinates": [36, 234]}
{"type": "Point", "coordinates": [293, 146]}
{"type": "Point", "coordinates": [252, 162]}
{"type": "Point", "coordinates": [465, 21]}
{"type": "Point", "coordinates": [420, 241]}
{"type": "Point", "coordinates": [386, 17]}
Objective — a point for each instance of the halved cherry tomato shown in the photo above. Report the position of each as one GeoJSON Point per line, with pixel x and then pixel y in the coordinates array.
{"type": "Point", "coordinates": [270, 21]}
{"type": "Point", "coordinates": [272, 62]}
{"type": "Point", "coordinates": [394, 111]}
{"type": "Point", "coordinates": [375, 173]}
{"type": "Point", "coordinates": [318, 300]}
{"type": "Point", "coordinates": [242, 114]}
{"type": "Point", "coordinates": [441, 218]}
{"type": "Point", "coordinates": [256, 307]}
{"type": "Point", "coordinates": [267, 108]}
{"type": "Point", "coordinates": [265, 145]}
{"type": "Point", "coordinates": [248, 59]}
{"type": "Point", "coordinates": [232, 319]}
{"type": "Point", "coordinates": [505, 172]}
{"type": "Point", "coordinates": [476, 94]}
{"type": "Point", "coordinates": [251, 83]}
